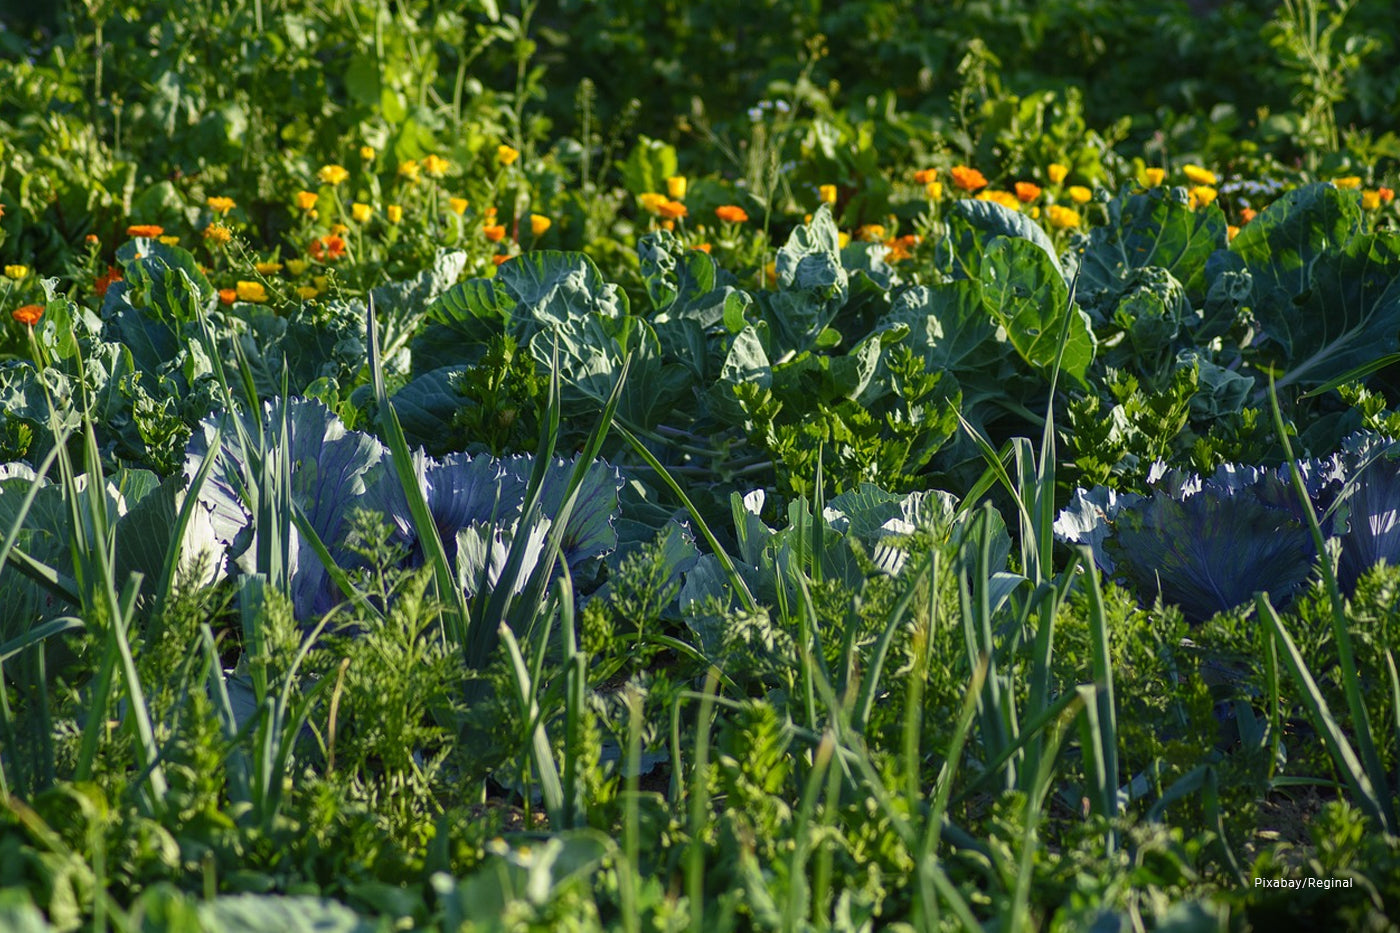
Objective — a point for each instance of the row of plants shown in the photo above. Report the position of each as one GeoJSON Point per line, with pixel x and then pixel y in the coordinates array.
{"type": "Point", "coordinates": [430, 498]}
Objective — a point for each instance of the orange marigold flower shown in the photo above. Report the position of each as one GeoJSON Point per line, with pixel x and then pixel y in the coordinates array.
{"type": "Point", "coordinates": [28, 314]}
{"type": "Point", "coordinates": [1062, 218]}
{"type": "Point", "coordinates": [251, 291]}
{"type": "Point", "coordinates": [499, 258]}
{"type": "Point", "coordinates": [150, 231]}
{"type": "Point", "coordinates": [436, 166]}
{"type": "Point", "coordinates": [1387, 194]}
{"type": "Point", "coordinates": [1247, 214]}
{"type": "Point", "coordinates": [494, 232]}
{"type": "Point", "coordinates": [925, 175]}
{"type": "Point", "coordinates": [1027, 192]}
{"type": "Point", "coordinates": [227, 296]}
{"type": "Point", "coordinates": [702, 247]}
{"type": "Point", "coordinates": [1231, 231]}
{"type": "Point", "coordinates": [333, 174]}
{"type": "Point", "coordinates": [968, 179]}
{"type": "Point", "coordinates": [672, 210]}
{"type": "Point", "coordinates": [103, 282]}
{"type": "Point", "coordinates": [1200, 176]}
{"type": "Point", "coordinates": [731, 214]}
{"type": "Point", "coordinates": [327, 248]}
{"type": "Point", "coordinates": [91, 239]}
{"type": "Point", "coordinates": [1004, 198]}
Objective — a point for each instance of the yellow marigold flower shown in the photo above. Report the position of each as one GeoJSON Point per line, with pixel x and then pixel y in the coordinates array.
{"type": "Point", "coordinates": [268, 268]}
{"type": "Point", "coordinates": [367, 153]}
{"type": "Point", "coordinates": [338, 229]}
{"type": "Point", "coordinates": [1027, 192]}
{"type": "Point", "coordinates": [170, 240]}
{"type": "Point", "coordinates": [539, 224]}
{"type": "Point", "coordinates": [306, 292]}
{"type": "Point", "coordinates": [925, 175]}
{"type": "Point", "coordinates": [361, 212]}
{"type": "Point", "coordinates": [843, 239]}
{"type": "Point", "coordinates": [322, 282]}
{"type": "Point", "coordinates": [394, 212]}
{"type": "Point", "coordinates": [968, 179]}
{"type": "Point", "coordinates": [149, 231]}
{"type": "Point", "coordinates": [296, 267]}
{"type": "Point", "coordinates": [219, 205]}
{"type": "Point", "coordinates": [457, 205]}
{"type": "Point", "coordinates": [306, 200]}
{"type": "Point", "coordinates": [1062, 218]}
{"type": "Point", "coordinates": [1231, 231]}
{"type": "Point", "coordinates": [827, 194]}
{"type": "Point", "coordinates": [1152, 177]}
{"type": "Point", "coordinates": [1004, 198]}
{"type": "Point", "coordinates": [676, 187]}
{"type": "Point", "coordinates": [16, 272]}
{"type": "Point", "coordinates": [494, 232]}
{"type": "Point", "coordinates": [1056, 172]}
{"type": "Point", "coordinates": [506, 155]}
{"type": "Point", "coordinates": [652, 201]}
{"type": "Point", "coordinates": [1202, 195]}
{"type": "Point", "coordinates": [1199, 176]}
{"type": "Point", "coordinates": [732, 214]}
{"type": "Point", "coordinates": [251, 291]}
{"type": "Point", "coordinates": [28, 315]}
{"type": "Point", "coordinates": [217, 234]}
{"type": "Point", "coordinates": [934, 190]}
{"type": "Point", "coordinates": [333, 174]}
{"type": "Point", "coordinates": [1079, 194]}
{"type": "Point", "coordinates": [1349, 181]}
{"type": "Point", "coordinates": [671, 210]}
{"type": "Point", "coordinates": [409, 170]}
{"type": "Point", "coordinates": [436, 166]}
{"type": "Point", "coordinates": [1370, 200]}
{"type": "Point", "coordinates": [871, 232]}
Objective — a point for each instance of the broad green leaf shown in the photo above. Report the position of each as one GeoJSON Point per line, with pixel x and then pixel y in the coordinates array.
{"type": "Point", "coordinates": [1280, 246]}
{"type": "Point", "coordinates": [675, 275]}
{"type": "Point", "coordinates": [1348, 315]}
{"type": "Point", "coordinates": [1025, 293]}
{"type": "Point", "coordinates": [948, 324]}
{"type": "Point", "coordinates": [1153, 229]}
{"type": "Point", "coordinates": [990, 220]}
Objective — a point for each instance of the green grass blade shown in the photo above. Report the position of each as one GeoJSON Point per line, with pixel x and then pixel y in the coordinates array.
{"type": "Point", "coordinates": [741, 588]}
{"type": "Point", "coordinates": [457, 615]}
{"type": "Point", "coordinates": [1341, 632]}
{"type": "Point", "coordinates": [1344, 757]}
